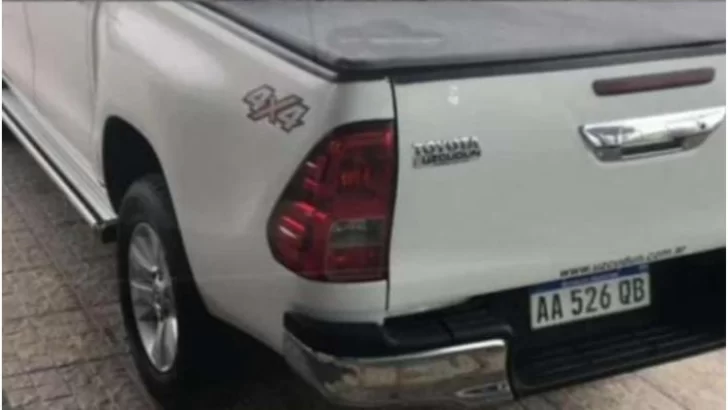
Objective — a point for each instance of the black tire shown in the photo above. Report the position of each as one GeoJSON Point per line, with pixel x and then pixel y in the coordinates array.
{"type": "Point", "coordinates": [148, 201]}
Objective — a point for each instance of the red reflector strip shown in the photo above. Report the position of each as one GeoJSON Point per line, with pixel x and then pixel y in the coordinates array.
{"type": "Point", "coordinates": [652, 82]}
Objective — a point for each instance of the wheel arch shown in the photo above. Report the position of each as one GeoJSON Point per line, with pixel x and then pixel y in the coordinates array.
{"type": "Point", "coordinates": [126, 155]}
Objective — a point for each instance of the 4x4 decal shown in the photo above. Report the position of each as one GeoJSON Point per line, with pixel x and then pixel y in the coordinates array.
{"type": "Point", "coordinates": [286, 113]}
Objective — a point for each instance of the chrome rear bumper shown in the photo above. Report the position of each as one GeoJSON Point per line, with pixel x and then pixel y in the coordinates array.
{"type": "Point", "coordinates": [468, 374]}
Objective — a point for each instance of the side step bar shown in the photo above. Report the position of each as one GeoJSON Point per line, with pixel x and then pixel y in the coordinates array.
{"type": "Point", "coordinates": [107, 229]}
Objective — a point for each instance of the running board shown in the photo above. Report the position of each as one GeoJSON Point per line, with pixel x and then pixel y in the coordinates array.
{"type": "Point", "coordinates": [101, 220]}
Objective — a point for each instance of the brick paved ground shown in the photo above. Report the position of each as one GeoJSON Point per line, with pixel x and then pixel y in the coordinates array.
{"type": "Point", "coordinates": [63, 346]}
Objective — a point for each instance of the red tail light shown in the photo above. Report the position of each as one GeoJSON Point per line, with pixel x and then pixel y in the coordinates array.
{"type": "Point", "coordinates": [333, 221]}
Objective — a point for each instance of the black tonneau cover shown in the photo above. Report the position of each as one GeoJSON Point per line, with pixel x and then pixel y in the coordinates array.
{"type": "Point", "coordinates": [383, 35]}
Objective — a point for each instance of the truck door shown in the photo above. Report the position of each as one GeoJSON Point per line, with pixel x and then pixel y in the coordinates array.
{"type": "Point", "coordinates": [17, 58]}
{"type": "Point", "coordinates": [64, 81]}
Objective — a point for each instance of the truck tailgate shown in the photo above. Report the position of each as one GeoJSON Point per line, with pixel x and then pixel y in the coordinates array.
{"type": "Point", "coordinates": [538, 204]}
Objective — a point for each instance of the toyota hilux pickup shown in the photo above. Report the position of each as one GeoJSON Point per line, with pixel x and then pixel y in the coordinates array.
{"type": "Point", "coordinates": [412, 202]}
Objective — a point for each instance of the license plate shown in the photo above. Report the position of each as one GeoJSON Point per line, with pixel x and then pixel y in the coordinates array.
{"type": "Point", "coordinates": [601, 294]}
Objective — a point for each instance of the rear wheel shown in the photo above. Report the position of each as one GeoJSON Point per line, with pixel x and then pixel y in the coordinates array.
{"type": "Point", "coordinates": [152, 297]}
{"type": "Point", "coordinates": [163, 313]}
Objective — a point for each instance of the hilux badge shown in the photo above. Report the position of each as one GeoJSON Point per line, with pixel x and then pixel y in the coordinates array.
{"type": "Point", "coordinates": [445, 152]}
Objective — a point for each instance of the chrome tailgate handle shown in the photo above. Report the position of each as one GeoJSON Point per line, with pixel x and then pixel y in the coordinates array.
{"type": "Point", "coordinates": [649, 136]}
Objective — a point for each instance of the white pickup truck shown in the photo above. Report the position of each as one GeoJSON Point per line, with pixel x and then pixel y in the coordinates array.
{"type": "Point", "coordinates": [423, 202]}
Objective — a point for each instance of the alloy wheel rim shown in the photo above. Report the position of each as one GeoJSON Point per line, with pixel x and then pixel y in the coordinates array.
{"type": "Point", "coordinates": [152, 297]}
